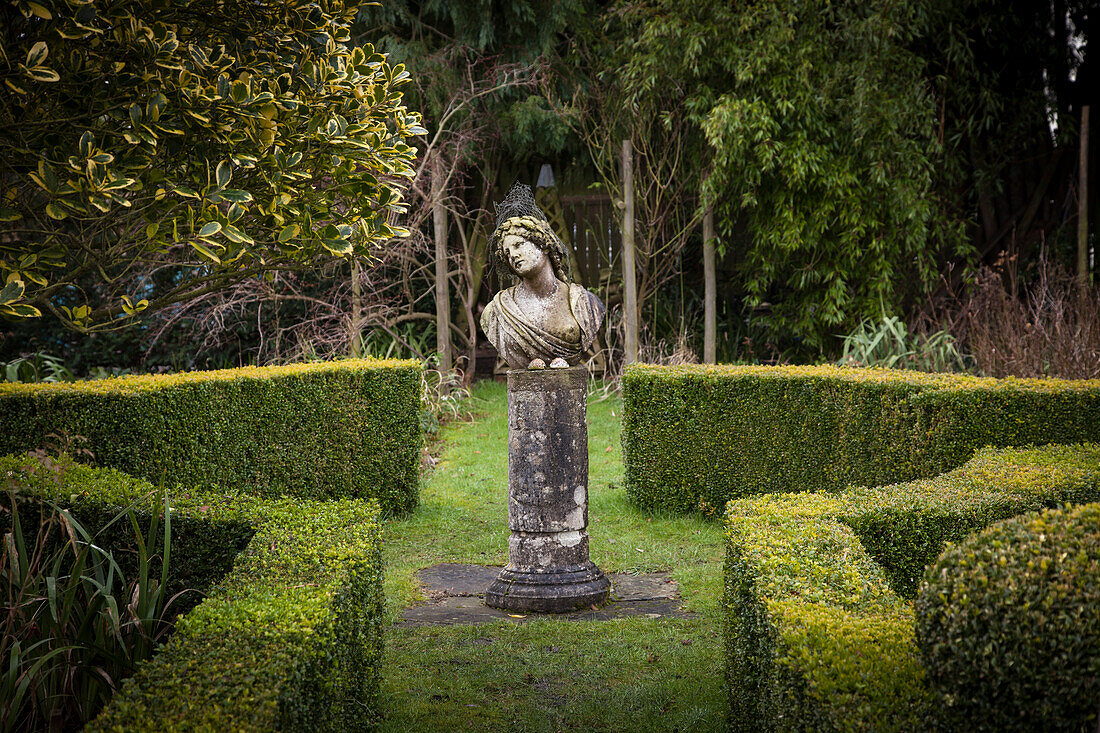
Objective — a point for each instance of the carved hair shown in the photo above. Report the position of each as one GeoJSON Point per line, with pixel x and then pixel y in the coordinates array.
{"type": "Point", "coordinates": [537, 232]}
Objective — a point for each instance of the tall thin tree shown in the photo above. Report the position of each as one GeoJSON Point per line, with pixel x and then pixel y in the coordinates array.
{"type": "Point", "coordinates": [630, 293]}
{"type": "Point", "coordinates": [710, 291]}
{"type": "Point", "coordinates": [442, 283]}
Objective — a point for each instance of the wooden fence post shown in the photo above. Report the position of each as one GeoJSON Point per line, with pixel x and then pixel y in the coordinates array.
{"type": "Point", "coordinates": [442, 284]}
{"type": "Point", "coordinates": [1083, 200]}
{"type": "Point", "coordinates": [630, 293]}
{"type": "Point", "coordinates": [356, 343]}
{"type": "Point", "coordinates": [710, 291]}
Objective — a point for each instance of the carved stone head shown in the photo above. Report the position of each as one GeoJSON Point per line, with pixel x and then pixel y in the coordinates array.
{"type": "Point", "coordinates": [534, 230]}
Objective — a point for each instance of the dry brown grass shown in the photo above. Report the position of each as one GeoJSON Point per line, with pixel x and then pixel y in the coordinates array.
{"type": "Point", "coordinates": [1048, 328]}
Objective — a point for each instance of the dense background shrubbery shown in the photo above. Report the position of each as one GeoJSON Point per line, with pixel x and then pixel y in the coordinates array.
{"type": "Point", "coordinates": [1044, 325]}
{"type": "Point", "coordinates": [829, 212]}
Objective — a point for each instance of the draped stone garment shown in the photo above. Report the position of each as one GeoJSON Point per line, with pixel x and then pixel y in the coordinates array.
{"type": "Point", "coordinates": [518, 341]}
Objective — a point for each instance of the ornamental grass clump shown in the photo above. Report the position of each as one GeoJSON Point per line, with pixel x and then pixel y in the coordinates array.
{"type": "Point", "coordinates": [1009, 628]}
{"type": "Point", "coordinates": [289, 634]}
{"type": "Point", "coordinates": [890, 344]}
{"type": "Point", "coordinates": [75, 623]}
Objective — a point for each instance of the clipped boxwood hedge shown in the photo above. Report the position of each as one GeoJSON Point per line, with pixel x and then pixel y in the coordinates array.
{"type": "Point", "coordinates": [697, 436]}
{"type": "Point", "coordinates": [1008, 624]}
{"type": "Point", "coordinates": [817, 636]}
{"type": "Point", "coordinates": [317, 431]}
{"type": "Point", "coordinates": [904, 527]}
{"type": "Point", "coordinates": [289, 639]}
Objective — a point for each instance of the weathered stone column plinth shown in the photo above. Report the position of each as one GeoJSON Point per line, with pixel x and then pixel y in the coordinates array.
{"type": "Point", "coordinates": [548, 566]}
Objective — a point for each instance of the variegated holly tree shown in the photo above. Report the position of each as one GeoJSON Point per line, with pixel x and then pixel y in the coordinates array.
{"type": "Point", "coordinates": [152, 151]}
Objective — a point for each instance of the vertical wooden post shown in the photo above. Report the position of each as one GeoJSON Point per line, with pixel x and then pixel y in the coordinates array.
{"type": "Point", "coordinates": [355, 344]}
{"type": "Point", "coordinates": [1083, 200]}
{"type": "Point", "coordinates": [710, 291]}
{"type": "Point", "coordinates": [630, 293]}
{"type": "Point", "coordinates": [442, 284]}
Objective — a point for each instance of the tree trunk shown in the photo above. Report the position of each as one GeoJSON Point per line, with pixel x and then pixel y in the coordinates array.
{"type": "Point", "coordinates": [1083, 200]}
{"type": "Point", "coordinates": [710, 291]}
{"type": "Point", "coordinates": [442, 285]}
{"type": "Point", "coordinates": [355, 343]}
{"type": "Point", "coordinates": [630, 293]}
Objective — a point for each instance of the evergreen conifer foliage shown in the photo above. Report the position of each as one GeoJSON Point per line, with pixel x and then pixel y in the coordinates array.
{"type": "Point", "coordinates": [214, 142]}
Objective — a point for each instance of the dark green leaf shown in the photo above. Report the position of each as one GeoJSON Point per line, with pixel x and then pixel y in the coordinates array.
{"type": "Point", "coordinates": [37, 54]}
{"type": "Point", "coordinates": [206, 250]}
{"type": "Point", "coordinates": [235, 195]}
{"type": "Point", "coordinates": [224, 173]}
{"type": "Point", "coordinates": [12, 291]}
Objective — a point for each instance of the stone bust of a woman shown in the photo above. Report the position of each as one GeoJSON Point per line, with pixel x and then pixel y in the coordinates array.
{"type": "Point", "coordinates": [543, 319]}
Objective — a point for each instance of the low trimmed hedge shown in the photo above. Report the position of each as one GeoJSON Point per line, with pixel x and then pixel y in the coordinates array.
{"type": "Point", "coordinates": [1008, 624]}
{"type": "Point", "coordinates": [317, 431]}
{"type": "Point", "coordinates": [817, 636]}
{"type": "Point", "coordinates": [289, 639]}
{"type": "Point", "coordinates": [696, 436]}
{"type": "Point", "coordinates": [904, 527]}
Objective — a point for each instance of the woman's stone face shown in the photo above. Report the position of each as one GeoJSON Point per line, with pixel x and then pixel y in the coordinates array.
{"type": "Point", "coordinates": [522, 256]}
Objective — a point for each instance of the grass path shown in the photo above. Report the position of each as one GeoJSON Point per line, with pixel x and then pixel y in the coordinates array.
{"type": "Point", "coordinates": [549, 674]}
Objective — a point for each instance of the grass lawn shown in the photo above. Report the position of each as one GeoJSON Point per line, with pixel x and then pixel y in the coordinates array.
{"type": "Point", "coordinates": [549, 674]}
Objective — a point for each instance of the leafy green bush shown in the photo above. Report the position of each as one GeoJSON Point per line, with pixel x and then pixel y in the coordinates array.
{"type": "Point", "coordinates": [339, 429]}
{"type": "Point", "coordinates": [194, 147]}
{"type": "Point", "coordinates": [289, 639]}
{"type": "Point", "coordinates": [816, 636]}
{"type": "Point", "coordinates": [889, 344]}
{"type": "Point", "coordinates": [37, 367]}
{"type": "Point", "coordinates": [756, 429]}
{"type": "Point", "coordinates": [74, 623]}
{"type": "Point", "coordinates": [1008, 624]}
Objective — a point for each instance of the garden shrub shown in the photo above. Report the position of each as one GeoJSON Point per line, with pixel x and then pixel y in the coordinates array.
{"type": "Point", "coordinates": [816, 636]}
{"type": "Point", "coordinates": [289, 639]}
{"type": "Point", "coordinates": [156, 152]}
{"type": "Point", "coordinates": [696, 436]}
{"type": "Point", "coordinates": [904, 527]}
{"type": "Point", "coordinates": [1008, 624]}
{"type": "Point", "coordinates": [317, 431]}
{"type": "Point", "coordinates": [74, 623]}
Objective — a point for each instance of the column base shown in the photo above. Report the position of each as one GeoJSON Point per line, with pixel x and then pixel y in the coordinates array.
{"type": "Point", "coordinates": [559, 590]}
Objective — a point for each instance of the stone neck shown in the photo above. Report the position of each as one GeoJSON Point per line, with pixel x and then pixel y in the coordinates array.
{"type": "Point", "coordinates": [542, 283]}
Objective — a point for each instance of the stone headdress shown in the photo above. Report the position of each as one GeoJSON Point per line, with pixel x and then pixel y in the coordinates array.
{"type": "Point", "coordinates": [519, 214]}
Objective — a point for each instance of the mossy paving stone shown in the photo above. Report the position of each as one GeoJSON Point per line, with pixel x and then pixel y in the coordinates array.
{"type": "Point", "coordinates": [457, 595]}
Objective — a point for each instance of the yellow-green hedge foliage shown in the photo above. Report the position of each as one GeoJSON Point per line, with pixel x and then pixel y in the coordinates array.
{"type": "Point", "coordinates": [289, 639]}
{"type": "Point", "coordinates": [1008, 624]}
{"type": "Point", "coordinates": [317, 431]}
{"type": "Point", "coordinates": [696, 436]}
{"type": "Point", "coordinates": [816, 636]}
{"type": "Point", "coordinates": [904, 527]}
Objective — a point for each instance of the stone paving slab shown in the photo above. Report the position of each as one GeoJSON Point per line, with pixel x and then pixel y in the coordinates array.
{"type": "Point", "coordinates": [456, 594]}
